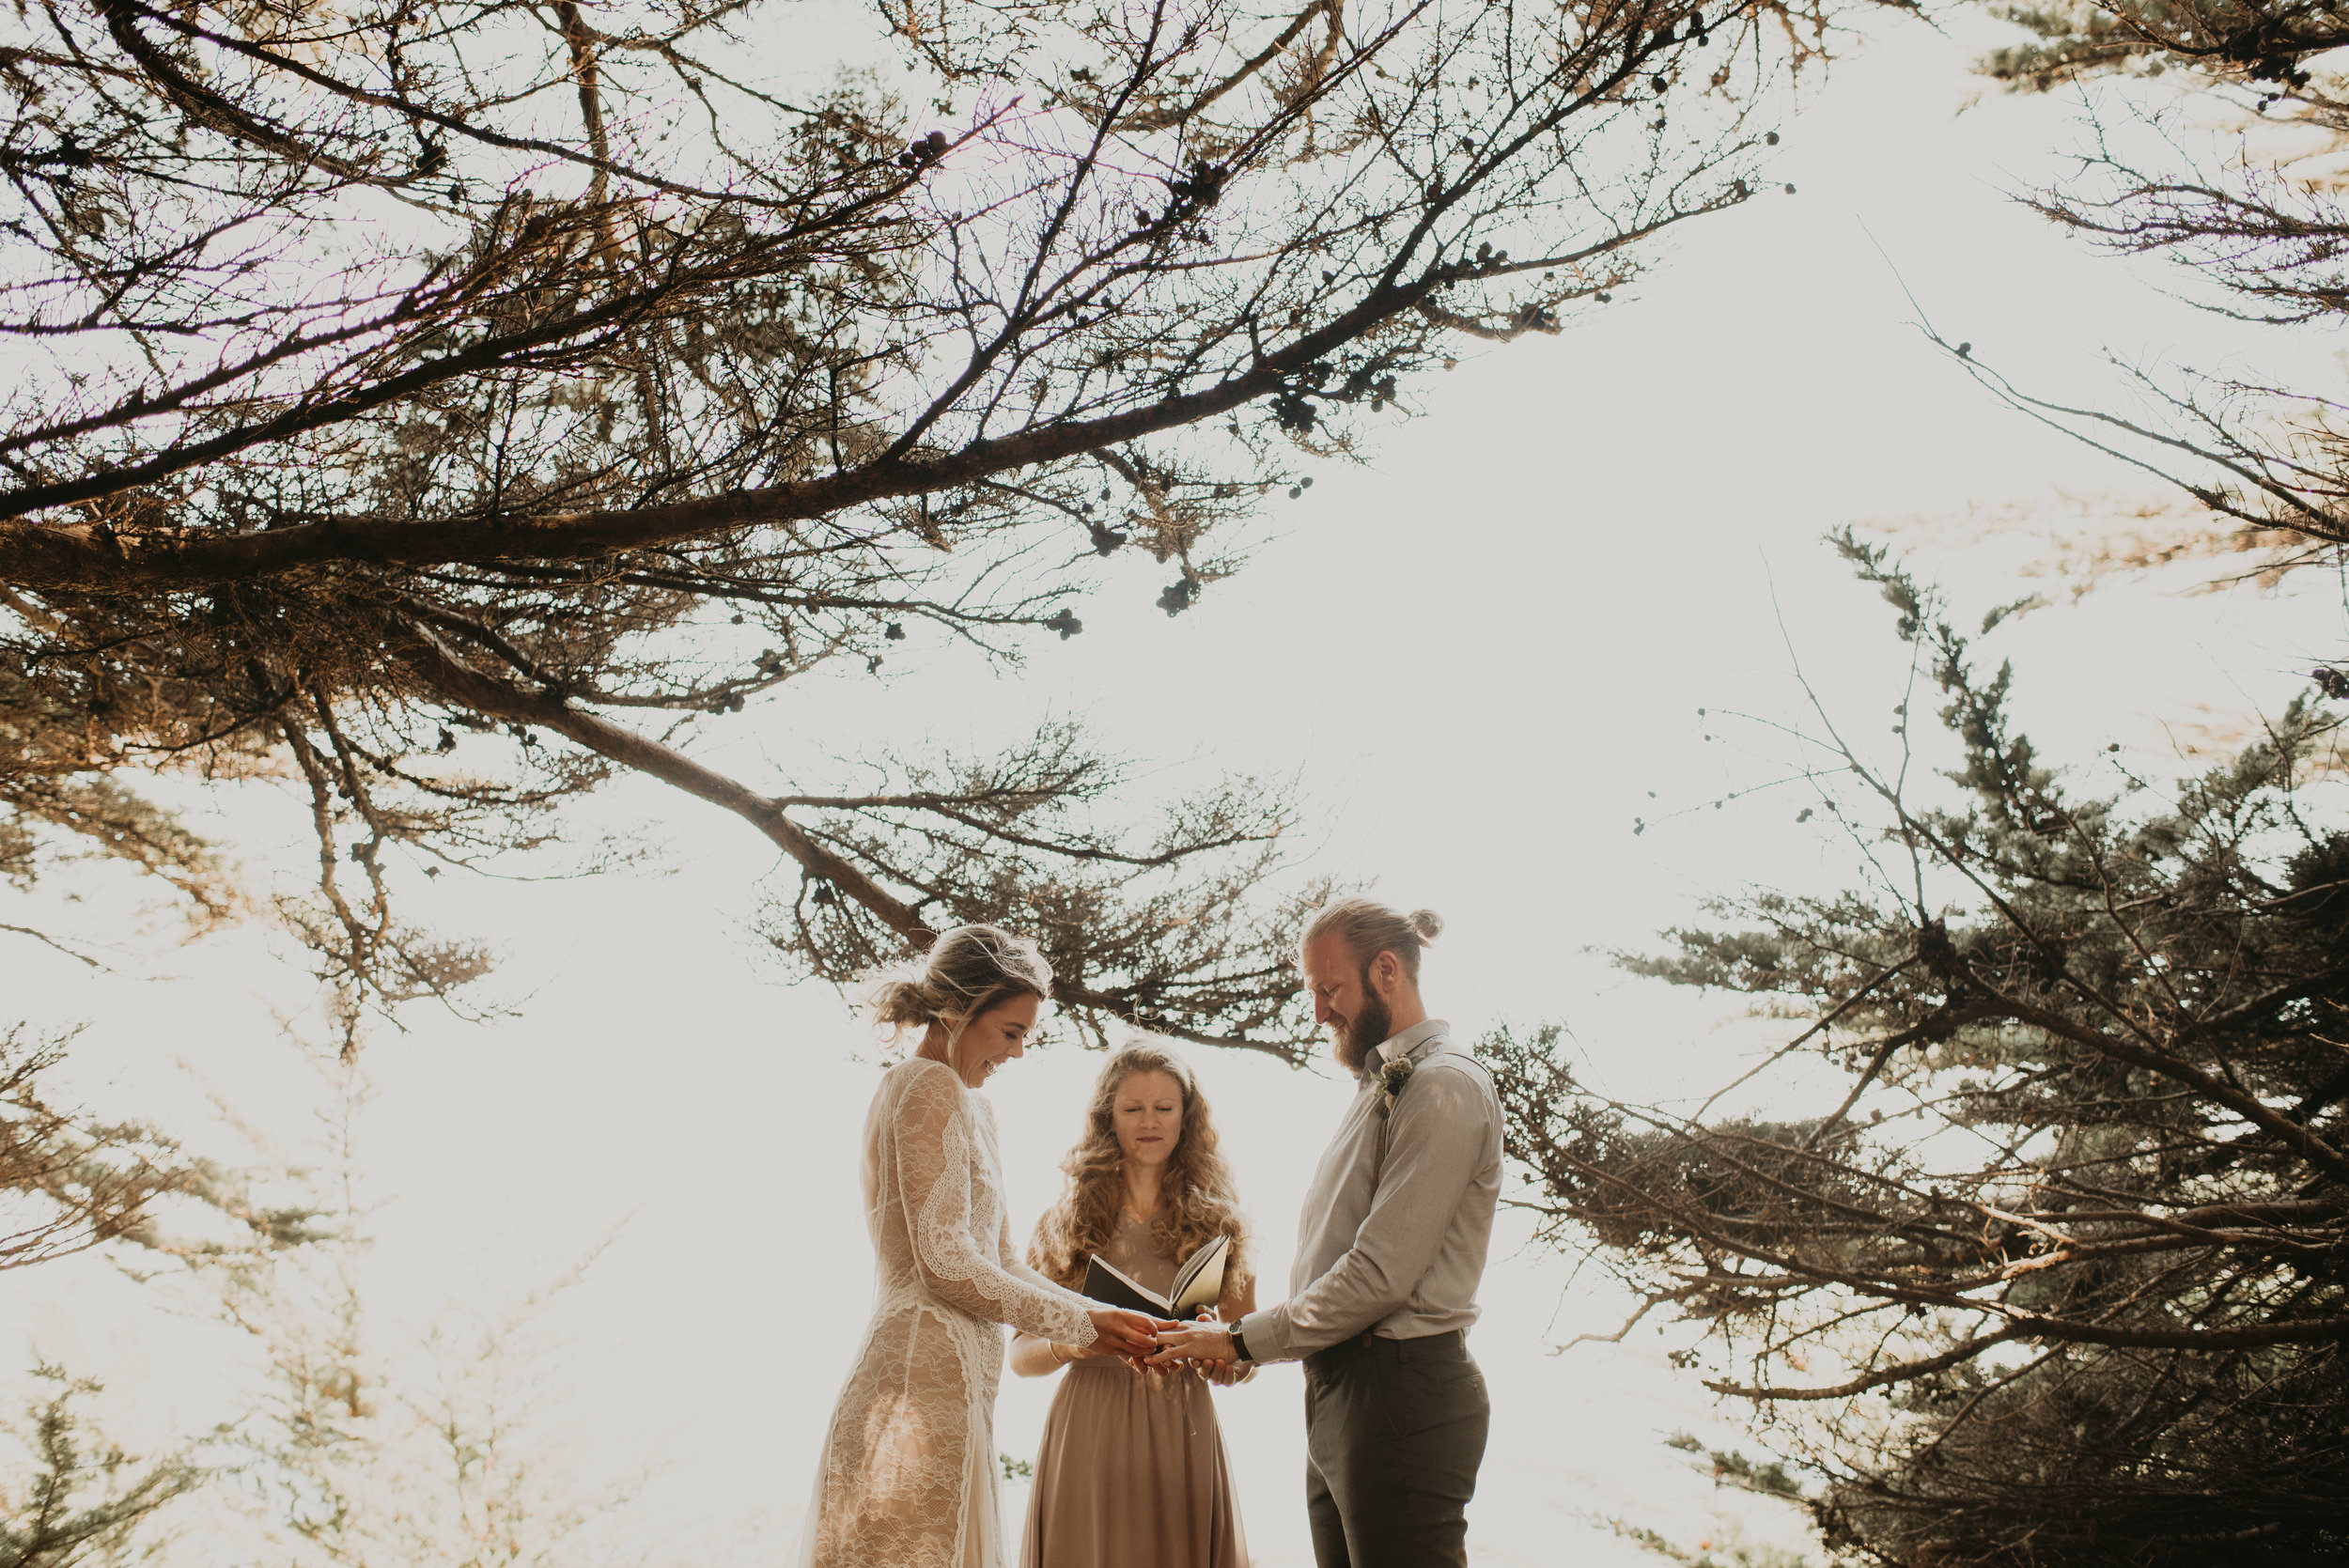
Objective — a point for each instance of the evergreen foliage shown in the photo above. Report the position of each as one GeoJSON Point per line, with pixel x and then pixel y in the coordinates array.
{"type": "Point", "coordinates": [82, 1500]}
{"type": "Point", "coordinates": [2253, 219]}
{"type": "Point", "coordinates": [2242, 41]}
{"type": "Point", "coordinates": [368, 1444]}
{"type": "Point", "coordinates": [410, 386]}
{"type": "Point", "coordinates": [66, 789]}
{"type": "Point", "coordinates": [2054, 1267]}
{"type": "Point", "coordinates": [70, 1182]}
{"type": "Point", "coordinates": [356, 1445]}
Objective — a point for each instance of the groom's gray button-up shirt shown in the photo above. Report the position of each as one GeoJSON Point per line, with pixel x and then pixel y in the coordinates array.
{"type": "Point", "coordinates": [1396, 1248]}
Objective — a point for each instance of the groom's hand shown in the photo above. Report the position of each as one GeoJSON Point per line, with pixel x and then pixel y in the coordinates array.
{"type": "Point", "coordinates": [1194, 1341]}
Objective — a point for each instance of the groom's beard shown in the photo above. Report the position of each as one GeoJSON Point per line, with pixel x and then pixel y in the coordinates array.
{"type": "Point", "coordinates": [1366, 1031]}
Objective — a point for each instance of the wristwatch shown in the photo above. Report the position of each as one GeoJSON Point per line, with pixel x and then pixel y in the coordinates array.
{"type": "Point", "coordinates": [1239, 1346]}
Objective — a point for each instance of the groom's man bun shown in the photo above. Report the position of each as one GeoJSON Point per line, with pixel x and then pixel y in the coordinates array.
{"type": "Point", "coordinates": [968, 970]}
{"type": "Point", "coordinates": [1369, 928]}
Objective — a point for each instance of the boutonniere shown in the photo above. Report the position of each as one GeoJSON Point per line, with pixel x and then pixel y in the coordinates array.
{"type": "Point", "coordinates": [1394, 1074]}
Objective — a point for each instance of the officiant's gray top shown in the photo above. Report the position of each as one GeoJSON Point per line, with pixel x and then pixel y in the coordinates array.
{"type": "Point", "coordinates": [1395, 1247]}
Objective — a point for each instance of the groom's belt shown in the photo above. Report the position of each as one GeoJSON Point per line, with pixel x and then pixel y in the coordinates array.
{"type": "Point", "coordinates": [1450, 1346]}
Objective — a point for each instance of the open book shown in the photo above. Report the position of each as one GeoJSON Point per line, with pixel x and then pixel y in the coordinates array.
{"type": "Point", "coordinates": [1198, 1283]}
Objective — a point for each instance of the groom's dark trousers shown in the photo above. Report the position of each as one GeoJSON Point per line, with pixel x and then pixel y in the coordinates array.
{"type": "Point", "coordinates": [1394, 1430]}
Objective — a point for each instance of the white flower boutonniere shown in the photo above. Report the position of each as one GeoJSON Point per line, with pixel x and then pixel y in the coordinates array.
{"type": "Point", "coordinates": [1393, 1074]}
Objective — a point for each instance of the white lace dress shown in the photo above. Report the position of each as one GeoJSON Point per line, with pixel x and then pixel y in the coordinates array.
{"type": "Point", "coordinates": [908, 1473]}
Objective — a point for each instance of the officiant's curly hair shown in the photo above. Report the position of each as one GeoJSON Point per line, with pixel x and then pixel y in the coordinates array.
{"type": "Point", "coordinates": [1197, 1202]}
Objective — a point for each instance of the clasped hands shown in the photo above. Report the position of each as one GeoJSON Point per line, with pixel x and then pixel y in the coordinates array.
{"type": "Point", "coordinates": [1162, 1346]}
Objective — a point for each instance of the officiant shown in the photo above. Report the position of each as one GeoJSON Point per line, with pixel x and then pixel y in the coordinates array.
{"type": "Point", "coordinates": [1132, 1470]}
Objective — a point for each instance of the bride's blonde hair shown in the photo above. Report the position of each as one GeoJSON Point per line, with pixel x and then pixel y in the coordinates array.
{"type": "Point", "coordinates": [968, 970]}
{"type": "Point", "coordinates": [1197, 1198]}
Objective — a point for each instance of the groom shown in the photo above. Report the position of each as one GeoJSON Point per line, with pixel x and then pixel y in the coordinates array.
{"type": "Point", "coordinates": [1389, 1253]}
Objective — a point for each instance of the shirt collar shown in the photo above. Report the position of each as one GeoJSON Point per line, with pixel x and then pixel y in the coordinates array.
{"type": "Point", "coordinates": [1411, 1042]}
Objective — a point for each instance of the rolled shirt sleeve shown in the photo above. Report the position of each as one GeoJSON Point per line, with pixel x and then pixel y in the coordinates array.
{"type": "Point", "coordinates": [1429, 1221]}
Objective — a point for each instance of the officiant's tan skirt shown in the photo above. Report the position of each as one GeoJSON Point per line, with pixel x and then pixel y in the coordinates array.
{"type": "Point", "coordinates": [1132, 1474]}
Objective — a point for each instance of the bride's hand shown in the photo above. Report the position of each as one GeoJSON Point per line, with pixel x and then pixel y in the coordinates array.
{"type": "Point", "coordinates": [1123, 1333]}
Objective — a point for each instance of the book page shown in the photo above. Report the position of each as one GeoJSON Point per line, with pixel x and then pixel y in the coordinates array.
{"type": "Point", "coordinates": [1200, 1282]}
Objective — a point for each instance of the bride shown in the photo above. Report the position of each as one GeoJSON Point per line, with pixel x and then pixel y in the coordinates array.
{"type": "Point", "coordinates": [908, 1476]}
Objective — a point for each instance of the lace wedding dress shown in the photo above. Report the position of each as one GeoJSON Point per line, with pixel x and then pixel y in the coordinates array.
{"type": "Point", "coordinates": [908, 1473]}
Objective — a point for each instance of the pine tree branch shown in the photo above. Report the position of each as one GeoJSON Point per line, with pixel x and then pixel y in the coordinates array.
{"type": "Point", "coordinates": [450, 677]}
{"type": "Point", "coordinates": [447, 674]}
{"type": "Point", "coordinates": [1956, 1354]}
{"type": "Point", "coordinates": [47, 940]}
{"type": "Point", "coordinates": [2248, 1106]}
{"type": "Point", "coordinates": [1123, 1008]}
{"type": "Point", "coordinates": [91, 557]}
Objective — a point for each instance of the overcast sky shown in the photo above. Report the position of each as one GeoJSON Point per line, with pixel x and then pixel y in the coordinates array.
{"type": "Point", "coordinates": [1481, 653]}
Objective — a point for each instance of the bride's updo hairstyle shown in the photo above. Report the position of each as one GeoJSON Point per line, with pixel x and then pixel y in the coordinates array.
{"type": "Point", "coordinates": [1369, 928]}
{"type": "Point", "coordinates": [969, 970]}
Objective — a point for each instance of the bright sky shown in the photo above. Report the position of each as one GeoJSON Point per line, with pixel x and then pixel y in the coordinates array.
{"type": "Point", "coordinates": [1479, 653]}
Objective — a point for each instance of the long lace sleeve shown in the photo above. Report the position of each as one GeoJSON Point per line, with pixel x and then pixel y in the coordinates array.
{"type": "Point", "coordinates": [1020, 1269]}
{"type": "Point", "coordinates": [934, 1183]}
